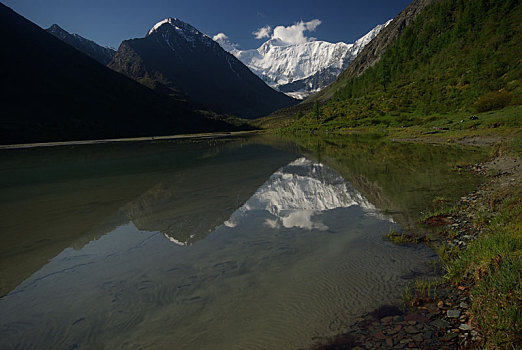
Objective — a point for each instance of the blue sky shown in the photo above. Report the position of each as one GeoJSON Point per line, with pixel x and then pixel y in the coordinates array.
{"type": "Point", "coordinates": [108, 22]}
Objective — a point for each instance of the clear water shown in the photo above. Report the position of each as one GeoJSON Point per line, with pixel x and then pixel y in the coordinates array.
{"type": "Point", "coordinates": [221, 244]}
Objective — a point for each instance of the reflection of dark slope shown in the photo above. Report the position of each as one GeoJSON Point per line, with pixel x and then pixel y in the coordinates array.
{"type": "Point", "coordinates": [46, 225]}
{"type": "Point", "coordinates": [189, 205]}
{"type": "Point", "coordinates": [373, 191]}
{"type": "Point", "coordinates": [106, 225]}
{"type": "Point", "coordinates": [54, 198]}
{"type": "Point", "coordinates": [396, 177]}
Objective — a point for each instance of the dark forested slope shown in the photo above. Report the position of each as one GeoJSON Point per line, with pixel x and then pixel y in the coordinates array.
{"type": "Point", "coordinates": [52, 92]}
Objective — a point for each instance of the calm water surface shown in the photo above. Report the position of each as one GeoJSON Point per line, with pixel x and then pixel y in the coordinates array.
{"type": "Point", "coordinates": [224, 244]}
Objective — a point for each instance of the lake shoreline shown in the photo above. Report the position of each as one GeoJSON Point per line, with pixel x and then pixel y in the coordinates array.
{"type": "Point", "coordinates": [132, 139]}
{"type": "Point", "coordinates": [442, 314]}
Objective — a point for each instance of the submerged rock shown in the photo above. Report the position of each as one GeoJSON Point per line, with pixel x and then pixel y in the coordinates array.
{"type": "Point", "coordinates": [453, 313]}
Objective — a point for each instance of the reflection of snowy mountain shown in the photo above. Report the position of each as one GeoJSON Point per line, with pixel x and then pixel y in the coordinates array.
{"type": "Point", "coordinates": [296, 193]}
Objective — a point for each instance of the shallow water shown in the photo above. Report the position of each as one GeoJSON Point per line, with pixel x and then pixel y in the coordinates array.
{"type": "Point", "coordinates": [227, 244]}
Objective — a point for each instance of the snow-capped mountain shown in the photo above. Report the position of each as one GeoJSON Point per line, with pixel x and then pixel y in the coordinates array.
{"type": "Point", "coordinates": [300, 69]}
{"type": "Point", "coordinates": [176, 58]}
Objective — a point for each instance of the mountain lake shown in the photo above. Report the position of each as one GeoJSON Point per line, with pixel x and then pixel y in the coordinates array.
{"type": "Point", "coordinates": [252, 242]}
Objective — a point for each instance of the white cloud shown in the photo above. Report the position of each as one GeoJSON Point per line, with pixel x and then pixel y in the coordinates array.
{"type": "Point", "coordinates": [220, 36]}
{"type": "Point", "coordinates": [294, 34]}
{"type": "Point", "coordinates": [226, 44]}
{"type": "Point", "coordinates": [272, 223]}
{"type": "Point", "coordinates": [263, 32]}
{"type": "Point", "coordinates": [311, 25]}
{"type": "Point", "coordinates": [302, 218]}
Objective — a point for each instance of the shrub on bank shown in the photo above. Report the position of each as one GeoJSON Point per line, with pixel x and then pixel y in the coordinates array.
{"type": "Point", "coordinates": [492, 101]}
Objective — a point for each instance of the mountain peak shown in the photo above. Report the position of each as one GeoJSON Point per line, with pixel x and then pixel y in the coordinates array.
{"type": "Point", "coordinates": [189, 64]}
{"type": "Point", "coordinates": [56, 27]}
{"type": "Point", "coordinates": [365, 40]}
{"type": "Point", "coordinates": [58, 31]}
{"type": "Point", "coordinates": [101, 54]}
{"type": "Point", "coordinates": [175, 23]}
{"type": "Point", "coordinates": [300, 69]}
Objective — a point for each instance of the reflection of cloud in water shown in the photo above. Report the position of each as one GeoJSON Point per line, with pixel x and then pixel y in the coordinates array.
{"type": "Point", "coordinates": [295, 195]}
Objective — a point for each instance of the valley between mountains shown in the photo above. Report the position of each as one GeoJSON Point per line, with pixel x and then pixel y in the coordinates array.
{"type": "Point", "coordinates": [181, 189]}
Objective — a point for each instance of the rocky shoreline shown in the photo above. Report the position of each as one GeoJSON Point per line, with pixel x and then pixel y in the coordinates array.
{"type": "Point", "coordinates": [438, 316]}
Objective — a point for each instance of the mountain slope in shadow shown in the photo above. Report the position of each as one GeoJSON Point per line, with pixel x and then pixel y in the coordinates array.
{"type": "Point", "coordinates": [52, 92]}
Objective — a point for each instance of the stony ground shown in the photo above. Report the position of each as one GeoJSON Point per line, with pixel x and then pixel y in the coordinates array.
{"type": "Point", "coordinates": [433, 323]}
{"type": "Point", "coordinates": [440, 320]}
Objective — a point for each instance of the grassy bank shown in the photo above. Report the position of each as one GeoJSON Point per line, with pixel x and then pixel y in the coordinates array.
{"type": "Point", "coordinates": [495, 125]}
{"type": "Point", "coordinates": [491, 267]}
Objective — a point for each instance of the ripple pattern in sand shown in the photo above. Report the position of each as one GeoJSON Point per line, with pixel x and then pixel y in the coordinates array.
{"type": "Point", "coordinates": [247, 287]}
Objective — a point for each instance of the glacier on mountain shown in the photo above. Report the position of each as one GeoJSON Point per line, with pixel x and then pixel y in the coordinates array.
{"type": "Point", "coordinates": [299, 69]}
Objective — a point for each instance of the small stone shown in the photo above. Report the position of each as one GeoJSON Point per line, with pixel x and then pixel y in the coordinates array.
{"type": "Point", "coordinates": [474, 333]}
{"type": "Point", "coordinates": [391, 332]}
{"type": "Point", "coordinates": [427, 334]}
{"type": "Point", "coordinates": [464, 305]}
{"type": "Point", "coordinates": [379, 335]}
{"type": "Point", "coordinates": [389, 342]}
{"type": "Point", "coordinates": [418, 338]}
{"type": "Point", "coordinates": [464, 327]}
{"type": "Point", "coordinates": [449, 336]}
{"type": "Point", "coordinates": [416, 317]}
{"type": "Point", "coordinates": [387, 319]}
{"type": "Point", "coordinates": [397, 318]}
{"type": "Point", "coordinates": [453, 313]}
{"type": "Point", "coordinates": [441, 324]}
{"type": "Point", "coordinates": [411, 330]}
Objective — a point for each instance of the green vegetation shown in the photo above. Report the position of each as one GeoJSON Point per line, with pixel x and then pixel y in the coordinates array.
{"type": "Point", "coordinates": [427, 289]}
{"type": "Point", "coordinates": [422, 290]}
{"type": "Point", "coordinates": [455, 59]}
{"type": "Point", "coordinates": [492, 265]}
{"type": "Point", "coordinates": [404, 237]}
{"type": "Point", "coordinates": [437, 213]}
{"type": "Point", "coordinates": [436, 128]}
